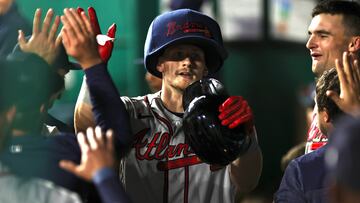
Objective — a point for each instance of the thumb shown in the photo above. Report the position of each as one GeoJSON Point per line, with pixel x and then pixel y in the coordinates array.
{"type": "Point", "coordinates": [111, 31]}
{"type": "Point", "coordinates": [334, 96]}
{"type": "Point", "coordinates": [68, 166]}
{"type": "Point", "coordinates": [21, 40]}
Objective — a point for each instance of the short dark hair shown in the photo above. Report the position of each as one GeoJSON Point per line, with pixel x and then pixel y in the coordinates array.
{"type": "Point", "coordinates": [328, 81]}
{"type": "Point", "coordinates": [350, 10]}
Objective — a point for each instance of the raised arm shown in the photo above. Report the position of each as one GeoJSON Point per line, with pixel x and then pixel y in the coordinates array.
{"type": "Point", "coordinates": [80, 43]}
{"type": "Point", "coordinates": [83, 115]}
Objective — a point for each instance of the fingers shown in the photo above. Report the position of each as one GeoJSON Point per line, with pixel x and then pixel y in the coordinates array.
{"type": "Point", "coordinates": [356, 72]}
{"type": "Point", "coordinates": [47, 20]}
{"type": "Point", "coordinates": [235, 111]}
{"type": "Point", "coordinates": [77, 26]}
{"type": "Point", "coordinates": [231, 107]}
{"type": "Point", "coordinates": [79, 10]}
{"type": "Point", "coordinates": [340, 71]}
{"type": "Point", "coordinates": [347, 68]}
{"type": "Point", "coordinates": [54, 28]}
{"type": "Point", "coordinates": [97, 140]}
{"type": "Point", "coordinates": [110, 140]}
{"type": "Point", "coordinates": [21, 40]}
{"type": "Point", "coordinates": [241, 120]}
{"type": "Point", "coordinates": [94, 21]}
{"type": "Point", "coordinates": [68, 166]}
{"type": "Point", "coordinates": [68, 31]}
{"type": "Point", "coordinates": [58, 39]}
{"type": "Point", "coordinates": [36, 21]}
{"type": "Point", "coordinates": [334, 96]}
{"type": "Point", "coordinates": [231, 117]}
{"type": "Point", "coordinates": [83, 143]}
{"type": "Point", "coordinates": [91, 138]}
{"type": "Point", "coordinates": [87, 23]}
{"type": "Point", "coordinates": [65, 38]}
{"type": "Point", "coordinates": [229, 101]}
{"type": "Point", "coordinates": [99, 136]}
{"type": "Point", "coordinates": [73, 22]}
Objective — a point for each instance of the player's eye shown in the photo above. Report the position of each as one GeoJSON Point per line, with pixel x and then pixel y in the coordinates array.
{"type": "Point", "coordinates": [195, 56]}
{"type": "Point", "coordinates": [177, 55]}
{"type": "Point", "coordinates": [323, 36]}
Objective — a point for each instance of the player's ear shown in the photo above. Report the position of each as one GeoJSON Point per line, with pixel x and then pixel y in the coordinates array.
{"type": "Point", "coordinates": [354, 45]}
{"type": "Point", "coordinates": [327, 118]}
{"type": "Point", "coordinates": [160, 65]}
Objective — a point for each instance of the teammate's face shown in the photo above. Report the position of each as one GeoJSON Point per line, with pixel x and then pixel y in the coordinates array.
{"type": "Point", "coordinates": [327, 41]}
{"type": "Point", "coordinates": [182, 65]}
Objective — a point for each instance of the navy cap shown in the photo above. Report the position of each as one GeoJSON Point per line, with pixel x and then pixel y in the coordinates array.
{"type": "Point", "coordinates": [343, 153]}
{"type": "Point", "coordinates": [61, 61]}
{"type": "Point", "coordinates": [27, 81]}
{"type": "Point", "coordinates": [184, 26]}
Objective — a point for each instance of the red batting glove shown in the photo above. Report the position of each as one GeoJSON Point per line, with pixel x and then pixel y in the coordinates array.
{"type": "Point", "coordinates": [106, 49]}
{"type": "Point", "coordinates": [235, 111]}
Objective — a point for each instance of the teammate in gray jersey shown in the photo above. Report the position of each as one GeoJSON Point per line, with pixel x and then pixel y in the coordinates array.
{"type": "Point", "coordinates": [181, 47]}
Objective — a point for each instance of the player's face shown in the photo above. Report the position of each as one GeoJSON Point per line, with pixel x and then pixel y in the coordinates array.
{"type": "Point", "coordinates": [327, 41]}
{"type": "Point", "coordinates": [182, 65]}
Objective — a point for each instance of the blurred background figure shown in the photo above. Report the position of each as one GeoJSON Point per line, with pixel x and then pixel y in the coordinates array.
{"type": "Point", "coordinates": [306, 102]}
{"type": "Point", "coordinates": [16, 82]}
{"type": "Point", "coordinates": [343, 163]}
{"type": "Point", "coordinates": [10, 22]}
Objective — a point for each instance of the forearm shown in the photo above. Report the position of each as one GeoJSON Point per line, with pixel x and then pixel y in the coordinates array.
{"type": "Point", "coordinates": [245, 171]}
{"type": "Point", "coordinates": [109, 186]}
{"type": "Point", "coordinates": [108, 109]}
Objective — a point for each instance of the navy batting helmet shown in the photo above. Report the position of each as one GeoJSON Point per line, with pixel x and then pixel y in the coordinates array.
{"type": "Point", "coordinates": [212, 142]}
{"type": "Point", "coordinates": [207, 86]}
{"type": "Point", "coordinates": [184, 26]}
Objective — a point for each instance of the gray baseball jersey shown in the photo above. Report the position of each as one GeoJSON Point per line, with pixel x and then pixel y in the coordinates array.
{"type": "Point", "coordinates": [161, 167]}
{"type": "Point", "coordinates": [15, 189]}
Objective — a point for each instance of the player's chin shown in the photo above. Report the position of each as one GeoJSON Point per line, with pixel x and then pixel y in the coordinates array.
{"type": "Point", "coordinates": [318, 69]}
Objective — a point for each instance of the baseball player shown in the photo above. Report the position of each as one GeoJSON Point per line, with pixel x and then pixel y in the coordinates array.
{"type": "Point", "coordinates": [97, 152]}
{"type": "Point", "coordinates": [333, 30]}
{"type": "Point", "coordinates": [304, 178]}
{"type": "Point", "coordinates": [181, 47]}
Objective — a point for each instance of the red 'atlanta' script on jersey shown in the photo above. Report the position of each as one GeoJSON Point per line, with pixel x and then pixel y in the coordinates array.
{"type": "Point", "coordinates": [158, 147]}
